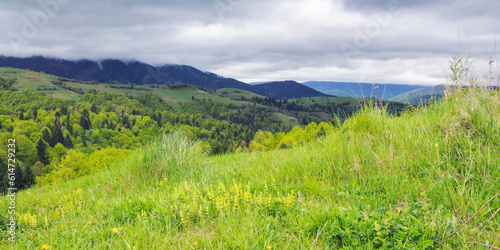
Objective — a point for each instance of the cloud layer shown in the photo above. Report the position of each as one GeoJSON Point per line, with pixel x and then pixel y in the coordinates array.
{"type": "Point", "coordinates": [384, 41]}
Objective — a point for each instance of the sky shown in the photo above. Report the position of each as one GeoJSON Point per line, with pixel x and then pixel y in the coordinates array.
{"type": "Point", "coordinates": [377, 41]}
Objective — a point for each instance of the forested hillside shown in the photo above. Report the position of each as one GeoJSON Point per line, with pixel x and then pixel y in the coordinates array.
{"type": "Point", "coordinates": [424, 180]}
{"type": "Point", "coordinates": [58, 139]}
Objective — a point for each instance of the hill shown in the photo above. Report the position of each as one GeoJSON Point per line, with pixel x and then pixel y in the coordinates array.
{"type": "Point", "coordinates": [378, 181]}
{"type": "Point", "coordinates": [178, 96]}
{"type": "Point", "coordinates": [421, 96]}
{"type": "Point", "coordinates": [360, 90]}
{"type": "Point", "coordinates": [173, 94]}
{"type": "Point", "coordinates": [138, 73]}
{"type": "Point", "coordinates": [285, 90]}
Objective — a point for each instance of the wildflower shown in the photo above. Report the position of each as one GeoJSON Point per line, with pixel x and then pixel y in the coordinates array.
{"type": "Point", "coordinates": [361, 198]}
{"type": "Point", "coordinates": [195, 243]}
{"type": "Point", "coordinates": [114, 230]}
{"type": "Point", "coordinates": [45, 247]}
{"type": "Point", "coordinates": [269, 247]}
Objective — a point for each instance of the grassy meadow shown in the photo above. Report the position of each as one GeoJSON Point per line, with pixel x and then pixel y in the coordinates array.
{"type": "Point", "coordinates": [378, 181]}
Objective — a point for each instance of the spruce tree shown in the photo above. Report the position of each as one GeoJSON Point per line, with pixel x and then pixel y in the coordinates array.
{"type": "Point", "coordinates": [46, 136]}
{"type": "Point", "coordinates": [19, 182]}
{"type": "Point", "coordinates": [29, 177]}
{"type": "Point", "coordinates": [67, 142]}
{"type": "Point", "coordinates": [4, 178]}
{"type": "Point", "coordinates": [41, 152]}
{"type": "Point", "coordinates": [85, 120]}
{"type": "Point", "coordinates": [93, 108]}
{"type": "Point", "coordinates": [35, 113]}
{"type": "Point", "coordinates": [57, 135]}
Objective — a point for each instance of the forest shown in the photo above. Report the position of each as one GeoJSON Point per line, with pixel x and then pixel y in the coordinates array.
{"type": "Point", "coordinates": [59, 139]}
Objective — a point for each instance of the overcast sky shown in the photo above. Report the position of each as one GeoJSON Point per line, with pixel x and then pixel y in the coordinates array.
{"type": "Point", "coordinates": [382, 41]}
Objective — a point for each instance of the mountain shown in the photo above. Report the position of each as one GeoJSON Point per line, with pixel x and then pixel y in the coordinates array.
{"type": "Point", "coordinates": [118, 71]}
{"type": "Point", "coordinates": [138, 73]}
{"type": "Point", "coordinates": [257, 83]}
{"type": "Point", "coordinates": [421, 95]}
{"type": "Point", "coordinates": [285, 90]}
{"type": "Point", "coordinates": [359, 90]}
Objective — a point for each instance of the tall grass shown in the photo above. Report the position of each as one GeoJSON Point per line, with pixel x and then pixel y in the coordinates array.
{"type": "Point", "coordinates": [378, 181]}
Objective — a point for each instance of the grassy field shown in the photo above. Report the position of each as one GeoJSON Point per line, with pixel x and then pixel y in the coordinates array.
{"type": "Point", "coordinates": [237, 93]}
{"type": "Point", "coordinates": [30, 80]}
{"type": "Point", "coordinates": [376, 182]}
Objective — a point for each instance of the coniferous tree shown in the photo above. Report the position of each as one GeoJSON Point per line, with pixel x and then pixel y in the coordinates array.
{"type": "Point", "coordinates": [41, 152]}
{"type": "Point", "coordinates": [46, 136]}
{"type": "Point", "coordinates": [35, 113]}
{"type": "Point", "coordinates": [29, 177]}
{"type": "Point", "coordinates": [68, 123]}
{"type": "Point", "coordinates": [64, 111]}
{"type": "Point", "coordinates": [93, 108]}
{"type": "Point", "coordinates": [304, 120]}
{"type": "Point", "coordinates": [4, 178]}
{"type": "Point", "coordinates": [57, 135]}
{"type": "Point", "coordinates": [159, 120]}
{"type": "Point", "coordinates": [67, 142]}
{"type": "Point", "coordinates": [19, 182]}
{"type": "Point", "coordinates": [85, 120]}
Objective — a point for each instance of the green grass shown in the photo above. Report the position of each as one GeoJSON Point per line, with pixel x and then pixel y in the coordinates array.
{"type": "Point", "coordinates": [237, 93]}
{"type": "Point", "coordinates": [30, 80]}
{"type": "Point", "coordinates": [173, 97]}
{"type": "Point", "coordinates": [376, 182]}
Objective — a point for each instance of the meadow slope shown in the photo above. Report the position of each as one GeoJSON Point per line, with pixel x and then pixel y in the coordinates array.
{"type": "Point", "coordinates": [377, 181]}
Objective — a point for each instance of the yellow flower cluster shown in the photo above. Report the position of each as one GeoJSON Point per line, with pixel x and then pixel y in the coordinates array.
{"type": "Point", "coordinates": [193, 200]}
{"type": "Point", "coordinates": [29, 220]}
{"type": "Point", "coordinates": [55, 208]}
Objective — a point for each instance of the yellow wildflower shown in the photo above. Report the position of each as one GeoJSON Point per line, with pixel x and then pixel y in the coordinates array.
{"type": "Point", "coordinates": [114, 230]}
{"type": "Point", "coordinates": [269, 247]}
{"type": "Point", "coordinates": [45, 247]}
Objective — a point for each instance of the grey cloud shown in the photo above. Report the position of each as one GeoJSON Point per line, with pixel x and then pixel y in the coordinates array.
{"type": "Point", "coordinates": [362, 5]}
{"type": "Point", "coordinates": [261, 39]}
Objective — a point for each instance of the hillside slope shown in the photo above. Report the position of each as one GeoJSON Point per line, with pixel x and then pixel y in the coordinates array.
{"type": "Point", "coordinates": [138, 73]}
{"type": "Point", "coordinates": [360, 90]}
{"type": "Point", "coordinates": [376, 182]}
{"type": "Point", "coordinates": [421, 95]}
{"type": "Point", "coordinates": [285, 90]}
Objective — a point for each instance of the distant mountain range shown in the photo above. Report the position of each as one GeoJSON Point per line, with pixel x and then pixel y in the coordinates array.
{"type": "Point", "coordinates": [138, 73]}
{"type": "Point", "coordinates": [421, 95]}
{"type": "Point", "coordinates": [360, 90]}
{"type": "Point", "coordinates": [134, 72]}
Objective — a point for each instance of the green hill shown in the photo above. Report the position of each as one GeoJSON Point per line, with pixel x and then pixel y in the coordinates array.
{"type": "Point", "coordinates": [180, 96]}
{"type": "Point", "coordinates": [420, 96]}
{"type": "Point", "coordinates": [54, 86]}
{"type": "Point", "coordinates": [378, 181]}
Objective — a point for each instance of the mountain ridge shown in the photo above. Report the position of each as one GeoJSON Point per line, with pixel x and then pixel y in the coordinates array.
{"type": "Point", "coordinates": [139, 73]}
{"type": "Point", "coordinates": [360, 90]}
